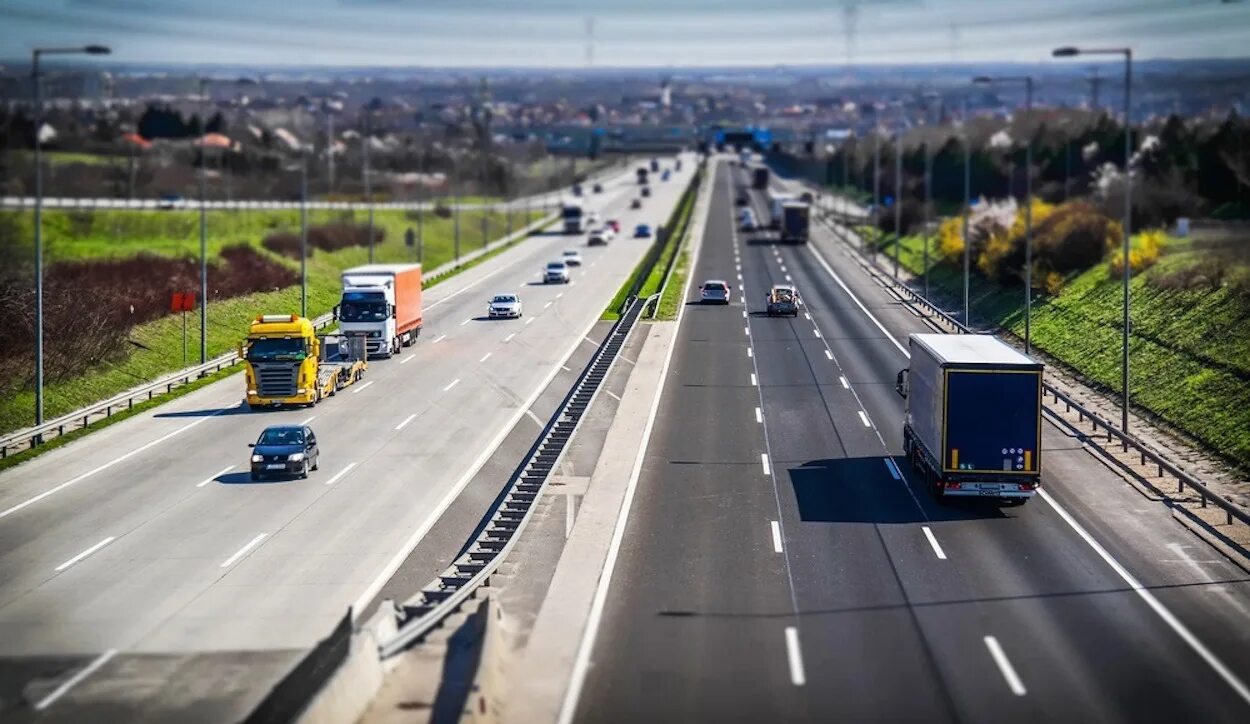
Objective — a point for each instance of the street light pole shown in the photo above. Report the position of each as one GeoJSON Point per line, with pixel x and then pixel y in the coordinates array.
{"type": "Point", "coordinates": [37, 82]}
{"type": "Point", "coordinates": [928, 175]}
{"type": "Point", "coordinates": [1127, 54]}
{"type": "Point", "coordinates": [967, 213]}
{"type": "Point", "coordinates": [368, 180]}
{"type": "Point", "coordinates": [876, 188]}
{"type": "Point", "coordinates": [898, 198]}
{"type": "Point", "coordinates": [203, 229]}
{"type": "Point", "coordinates": [303, 234]}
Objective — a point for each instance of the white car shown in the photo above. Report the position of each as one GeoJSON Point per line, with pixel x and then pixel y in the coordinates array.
{"type": "Point", "coordinates": [572, 257]}
{"type": "Point", "coordinates": [504, 306]}
{"type": "Point", "coordinates": [594, 219]}
{"type": "Point", "coordinates": [556, 272]}
{"type": "Point", "coordinates": [597, 238]}
{"type": "Point", "coordinates": [714, 291]}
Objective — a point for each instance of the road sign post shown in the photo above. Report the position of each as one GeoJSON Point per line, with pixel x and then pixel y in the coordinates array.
{"type": "Point", "coordinates": [183, 302]}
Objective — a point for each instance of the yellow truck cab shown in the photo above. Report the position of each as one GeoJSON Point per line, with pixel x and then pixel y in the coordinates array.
{"type": "Point", "coordinates": [281, 358]}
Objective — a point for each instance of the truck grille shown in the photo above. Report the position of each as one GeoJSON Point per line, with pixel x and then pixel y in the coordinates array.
{"type": "Point", "coordinates": [276, 380]}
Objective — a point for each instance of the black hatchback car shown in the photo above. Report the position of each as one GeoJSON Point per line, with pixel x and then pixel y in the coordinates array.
{"type": "Point", "coordinates": [284, 450]}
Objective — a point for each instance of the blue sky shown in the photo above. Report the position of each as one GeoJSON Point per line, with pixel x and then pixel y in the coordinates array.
{"type": "Point", "coordinates": [626, 32]}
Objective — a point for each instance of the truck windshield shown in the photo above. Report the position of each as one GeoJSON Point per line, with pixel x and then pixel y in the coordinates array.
{"type": "Point", "coordinates": [571, 212]}
{"type": "Point", "coordinates": [362, 308]}
{"type": "Point", "coordinates": [276, 350]}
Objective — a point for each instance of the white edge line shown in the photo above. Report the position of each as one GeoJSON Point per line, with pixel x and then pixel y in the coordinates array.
{"type": "Point", "coordinates": [214, 476]}
{"type": "Point", "coordinates": [243, 551]}
{"type": "Point", "coordinates": [795, 656]}
{"type": "Point", "coordinates": [340, 474]}
{"type": "Point", "coordinates": [764, 462]}
{"type": "Point", "coordinates": [85, 553]}
{"type": "Point", "coordinates": [1004, 665]}
{"type": "Point", "coordinates": [937, 549]}
{"type": "Point", "coordinates": [109, 464]}
{"type": "Point", "coordinates": [581, 664]}
{"type": "Point", "coordinates": [1174, 623]}
{"type": "Point", "coordinates": [407, 420]}
{"type": "Point", "coordinates": [72, 681]}
{"type": "Point", "coordinates": [776, 536]}
{"type": "Point", "coordinates": [829, 270]}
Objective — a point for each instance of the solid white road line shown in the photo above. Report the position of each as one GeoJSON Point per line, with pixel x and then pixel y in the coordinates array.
{"type": "Point", "coordinates": [759, 415]}
{"type": "Point", "coordinates": [509, 338]}
{"type": "Point", "coordinates": [308, 419]}
{"type": "Point", "coordinates": [72, 681]}
{"type": "Point", "coordinates": [340, 474]}
{"type": "Point", "coordinates": [937, 549]}
{"type": "Point", "coordinates": [86, 553]}
{"type": "Point", "coordinates": [776, 536]}
{"type": "Point", "coordinates": [842, 379]}
{"type": "Point", "coordinates": [829, 270]}
{"type": "Point", "coordinates": [894, 471]}
{"type": "Point", "coordinates": [439, 338]}
{"type": "Point", "coordinates": [109, 464]}
{"type": "Point", "coordinates": [243, 551]}
{"type": "Point", "coordinates": [764, 462]}
{"type": "Point", "coordinates": [754, 381]}
{"type": "Point", "coordinates": [797, 677]}
{"type": "Point", "coordinates": [1172, 621]}
{"type": "Point", "coordinates": [1009, 673]}
{"type": "Point", "coordinates": [485, 357]}
{"type": "Point", "coordinates": [864, 416]}
{"type": "Point", "coordinates": [451, 384]}
{"type": "Point", "coordinates": [407, 420]}
{"type": "Point", "coordinates": [360, 389]}
{"type": "Point", "coordinates": [216, 475]}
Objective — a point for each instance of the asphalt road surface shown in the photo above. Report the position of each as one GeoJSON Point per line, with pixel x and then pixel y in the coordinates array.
{"type": "Point", "coordinates": [144, 576]}
{"type": "Point", "coordinates": [781, 563]}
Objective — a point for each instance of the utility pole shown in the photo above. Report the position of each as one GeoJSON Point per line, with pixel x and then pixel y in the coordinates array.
{"type": "Point", "coordinates": [1095, 82]}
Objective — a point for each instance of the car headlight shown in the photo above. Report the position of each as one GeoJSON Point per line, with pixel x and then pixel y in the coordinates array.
{"type": "Point", "coordinates": [296, 457]}
{"type": "Point", "coordinates": [257, 458]}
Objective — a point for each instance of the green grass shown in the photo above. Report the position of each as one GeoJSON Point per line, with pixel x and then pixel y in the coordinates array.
{"type": "Point", "coordinates": [673, 297]}
{"type": "Point", "coordinates": [1189, 350]}
{"type": "Point", "coordinates": [158, 344]}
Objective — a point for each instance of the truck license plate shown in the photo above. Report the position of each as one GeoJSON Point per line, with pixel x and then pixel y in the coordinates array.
{"type": "Point", "coordinates": [278, 466]}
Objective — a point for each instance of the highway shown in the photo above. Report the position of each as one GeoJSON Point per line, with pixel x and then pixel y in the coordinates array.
{"type": "Point", "coordinates": [780, 563]}
{"type": "Point", "coordinates": [142, 572]}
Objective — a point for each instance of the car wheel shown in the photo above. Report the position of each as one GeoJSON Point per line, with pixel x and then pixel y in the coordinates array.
{"type": "Point", "coordinates": [257, 478]}
{"type": "Point", "coordinates": [316, 462]}
{"type": "Point", "coordinates": [303, 473]}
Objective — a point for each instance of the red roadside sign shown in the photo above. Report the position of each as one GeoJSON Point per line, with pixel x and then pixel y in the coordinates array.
{"type": "Point", "coordinates": [182, 302]}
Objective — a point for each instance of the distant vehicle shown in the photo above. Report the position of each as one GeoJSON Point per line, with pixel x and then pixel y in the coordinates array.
{"type": "Point", "coordinates": [635, 204]}
{"type": "Point", "coordinates": [641, 174]}
{"type": "Point", "coordinates": [677, 165]}
{"type": "Point", "coordinates": [973, 425]}
{"type": "Point", "coordinates": [598, 237]}
{"type": "Point", "coordinates": [806, 197]}
{"type": "Point", "coordinates": [664, 176]}
{"type": "Point", "coordinates": [782, 301]}
{"type": "Point", "coordinates": [746, 220]}
{"type": "Point", "coordinates": [577, 189]}
{"type": "Point", "coordinates": [383, 303]}
{"type": "Point", "coordinates": [655, 165]}
{"type": "Point", "coordinates": [556, 272]}
{"type": "Point", "coordinates": [286, 363]}
{"type": "Point", "coordinates": [597, 188]}
{"type": "Point", "coordinates": [574, 216]}
{"type": "Point", "coordinates": [642, 231]}
{"type": "Point", "coordinates": [572, 257]}
{"type": "Point", "coordinates": [759, 178]}
{"type": "Point", "coordinates": [614, 224]}
{"type": "Point", "coordinates": [742, 199]}
{"type": "Point", "coordinates": [284, 450]}
{"type": "Point", "coordinates": [714, 291]}
{"type": "Point", "coordinates": [776, 208]}
{"type": "Point", "coordinates": [795, 221]}
{"type": "Point", "coordinates": [593, 219]}
{"type": "Point", "coordinates": [646, 191]}
{"type": "Point", "coordinates": [504, 306]}
{"type": "Point", "coordinates": [171, 201]}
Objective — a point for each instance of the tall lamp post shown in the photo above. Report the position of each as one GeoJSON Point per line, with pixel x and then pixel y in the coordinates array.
{"type": "Point", "coordinates": [364, 141]}
{"type": "Point", "coordinates": [37, 82]}
{"type": "Point", "coordinates": [1127, 54]}
{"type": "Point", "coordinates": [1027, 80]}
{"type": "Point", "coordinates": [967, 212]}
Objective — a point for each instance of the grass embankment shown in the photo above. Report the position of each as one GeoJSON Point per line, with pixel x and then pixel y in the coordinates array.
{"type": "Point", "coordinates": [156, 347]}
{"type": "Point", "coordinates": [1189, 351]}
{"type": "Point", "coordinates": [654, 266]}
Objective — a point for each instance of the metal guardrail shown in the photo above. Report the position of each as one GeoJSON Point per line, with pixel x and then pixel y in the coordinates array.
{"type": "Point", "coordinates": [473, 569]}
{"type": "Point", "coordinates": [1113, 433]}
{"type": "Point", "coordinates": [32, 437]}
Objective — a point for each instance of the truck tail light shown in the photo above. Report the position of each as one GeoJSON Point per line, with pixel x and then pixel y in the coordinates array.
{"type": "Point", "coordinates": [951, 485]}
{"type": "Point", "coordinates": [1027, 486]}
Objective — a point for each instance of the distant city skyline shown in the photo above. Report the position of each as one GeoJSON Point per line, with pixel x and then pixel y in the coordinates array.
{"type": "Point", "coordinates": [638, 33]}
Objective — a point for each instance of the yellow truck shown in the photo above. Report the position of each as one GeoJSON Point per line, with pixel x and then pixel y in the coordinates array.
{"type": "Point", "coordinates": [288, 364]}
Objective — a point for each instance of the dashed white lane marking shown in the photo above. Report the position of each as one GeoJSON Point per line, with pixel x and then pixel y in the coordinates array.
{"type": "Point", "coordinates": [937, 549]}
{"type": "Point", "coordinates": [340, 474]}
{"type": "Point", "coordinates": [72, 681]}
{"type": "Point", "coordinates": [746, 331]}
{"type": "Point", "coordinates": [509, 337]}
{"type": "Point", "coordinates": [407, 420]}
{"type": "Point", "coordinates": [529, 321]}
{"type": "Point", "coordinates": [816, 330]}
{"type": "Point", "coordinates": [764, 462]}
{"type": "Point", "coordinates": [864, 416]}
{"type": "Point", "coordinates": [548, 304]}
{"type": "Point", "coordinates": [783, 269]}
{"type": "Point", "coordinates": [308, 419]}
{"type": "Point", "coordinates": [797, 677]}
{"type": "Point", "coordinates": [829, 355]}
{"type": "Point", "coordinates": [559, 295]}
{"type": "Point", "coordinates": [744, 314]}
{"type": "Point", "coordinates": [894, 471]}
{"type": "Point", "coordinates": [759, 415]}
{"type": "Point", "coordinates": [439, 338]}
{"type": "Point", "coordinates": [243, 551]}
{"type": "Point", "coordinates": [788, 278]}
{"type": "Point", "coordinates": [407, 359]}
{"type": "Point", "coordinates": [807, 316]}
{"type": "Point", "coordinates": [750, 352]}
{"type": "Point", "coordinates": [86, 553]}
{"type": "Point", "coordinates": [451, 384]}
{"type": "Point", "coordinates": [845, 384]}
{"type": "Point", "coordinates": [360, 389]}
{"type": "Point", "coordinates": [776, 536]}
{"type": "Point", "coordinates": [484, 357]}
{"type": "Point", "coordinates": [754, 381]}
{"type": "Point", "coordinates": [216, 475]}
{"type": "Point", "coordinates": [1004, 665]}
{"type": "Point", "coordinates": [470, 319]}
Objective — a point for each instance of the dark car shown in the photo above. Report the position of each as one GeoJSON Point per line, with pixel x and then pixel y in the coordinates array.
{"type": "Point", "coordinates": [597, 188]}
{"type": "Point", "coordinates": [635, 204]}
{"type": "Point", "coordinates": [642, 231]}
{"type": "Point", "coordinates": [285, 450]}
{"type": "Point", "coordinates": [742, 200]}
{"type": "Point", "coordinates": [646, 191]}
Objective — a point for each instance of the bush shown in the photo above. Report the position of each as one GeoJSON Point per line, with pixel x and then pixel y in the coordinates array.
{"type": "Point", "coordinates": [1068, 238]}
{"type": "Point", "coordinates": [284, 244]}
{"type": "Point", "coordinates": [1143, 253]}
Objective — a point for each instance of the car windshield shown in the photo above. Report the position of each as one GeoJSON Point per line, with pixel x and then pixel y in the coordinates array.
{"type": "Point", "coordinates": [282, 436]}
{"type": "Point", "coordinates": [570, 253]}
{"type": "Point", "coordinates": [556, 265]}
{"type": "Point", "coordinates": [714, 286]}
{"type": "Point", "coordinates": [503, 299]}
{"type": "Point", "coordinates": [277, 350]}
